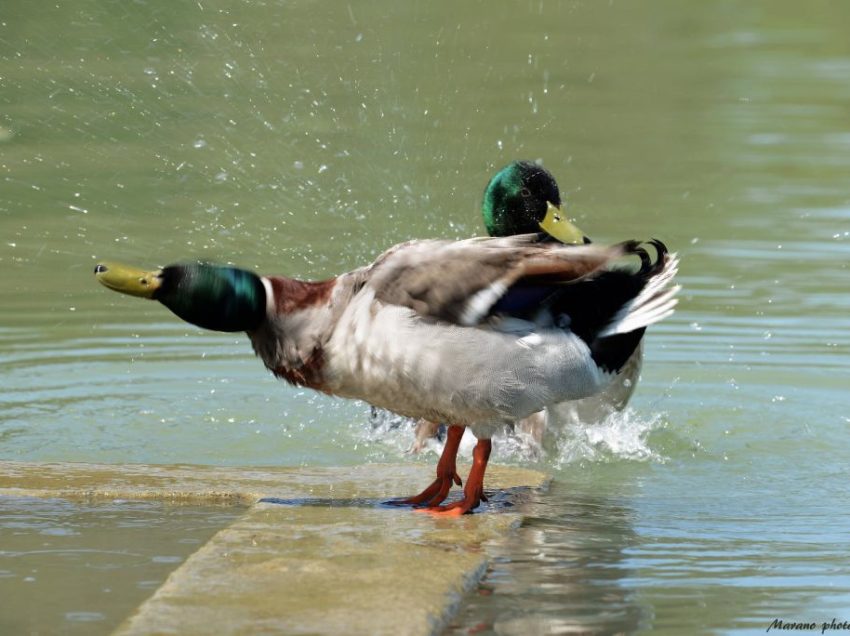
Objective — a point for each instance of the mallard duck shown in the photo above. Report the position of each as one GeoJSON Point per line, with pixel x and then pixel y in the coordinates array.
{"type": "Point", "coordinates": [480, 332]}
{"type": "Point", "coordinates": [521, 198]}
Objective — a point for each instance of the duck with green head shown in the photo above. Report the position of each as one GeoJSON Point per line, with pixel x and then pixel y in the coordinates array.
{"type": "Point", "coordinates": [524, 197]}
{"type": "Point", "coordinates": [479, 333]}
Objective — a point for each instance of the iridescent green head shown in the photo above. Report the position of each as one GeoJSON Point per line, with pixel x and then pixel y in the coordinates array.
{"type": "Point", "coordinates": [522, 198]}
{"type": "Point", "coordinates": [214, 297]}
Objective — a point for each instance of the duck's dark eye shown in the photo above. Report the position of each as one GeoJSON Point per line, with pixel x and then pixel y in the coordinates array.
{"type": "Point", "coordinates": [526, 193]}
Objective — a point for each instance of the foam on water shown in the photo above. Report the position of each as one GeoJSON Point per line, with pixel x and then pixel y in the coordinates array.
{"type": "Point", "coordinates": [621, 435]}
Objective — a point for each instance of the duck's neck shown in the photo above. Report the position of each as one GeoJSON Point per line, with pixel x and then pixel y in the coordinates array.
{"type": "Point", "coordinates": [290, 295]}
{"type": "Point", "coordinates": [300, 319]}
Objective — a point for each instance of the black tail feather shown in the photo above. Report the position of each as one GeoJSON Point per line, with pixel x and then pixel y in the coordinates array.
{"type": "Point", "coordinates": [591, 305]}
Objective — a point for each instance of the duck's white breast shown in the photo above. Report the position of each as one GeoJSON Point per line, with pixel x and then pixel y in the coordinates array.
{"type": "Point", "coordinates": [477, 376]}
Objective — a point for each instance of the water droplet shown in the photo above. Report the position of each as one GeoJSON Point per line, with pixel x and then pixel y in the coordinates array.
{"type": "Point", "coordinates": [199, 143]}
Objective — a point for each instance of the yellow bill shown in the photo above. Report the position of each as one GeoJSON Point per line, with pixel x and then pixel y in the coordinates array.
{"type": "Point", "coordinates": [128, 280]}
{"type": "Point", "coordinates": [557, 225]}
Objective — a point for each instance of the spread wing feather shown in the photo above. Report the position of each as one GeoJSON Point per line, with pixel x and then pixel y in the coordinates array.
{"type": "Point", "coordinates": [460, 281]}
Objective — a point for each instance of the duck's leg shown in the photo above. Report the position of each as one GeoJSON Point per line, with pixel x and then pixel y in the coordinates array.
{"type": "Point", "coordinates": [446, 473]}
{"type": "Point", "coordinates": [423, 431]}
{"type": "Point", "coordinates": [473, 492]}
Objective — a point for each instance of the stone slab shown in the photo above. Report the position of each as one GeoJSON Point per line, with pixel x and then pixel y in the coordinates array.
{"type": "Point", "coordinates": [317, 552]}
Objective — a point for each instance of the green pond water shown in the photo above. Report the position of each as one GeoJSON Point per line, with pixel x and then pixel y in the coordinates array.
{"type": "Point", "coordinates": [82, 568]}
{"type": "Point", "coordinates": [305, 138]}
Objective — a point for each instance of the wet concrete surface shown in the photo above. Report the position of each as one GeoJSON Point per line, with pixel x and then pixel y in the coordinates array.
{"type": "Point", "coordinates": [318, 550]}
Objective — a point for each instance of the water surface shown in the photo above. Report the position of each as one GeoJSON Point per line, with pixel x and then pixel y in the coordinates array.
{"type": "Point", "coordinates": [82, 568]}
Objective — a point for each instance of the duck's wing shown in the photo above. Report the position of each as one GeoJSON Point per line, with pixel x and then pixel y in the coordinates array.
{"type": "Point", "coordinates": [461, 281]}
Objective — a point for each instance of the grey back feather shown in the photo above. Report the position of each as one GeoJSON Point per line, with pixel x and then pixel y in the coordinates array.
{"type": "Point", "coordinates": [459, 281]}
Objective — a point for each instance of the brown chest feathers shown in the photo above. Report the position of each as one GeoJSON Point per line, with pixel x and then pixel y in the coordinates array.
{"type": "Point", "coordinates": [291, 340]}
{"type": "Point", "coordinates": [308, 373]}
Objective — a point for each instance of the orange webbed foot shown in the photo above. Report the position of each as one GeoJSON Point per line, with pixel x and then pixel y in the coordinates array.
{"type": "Point", "coordinates": [439, 489]}
{"type": "Point", "coordinates": [455, 509]}
{"type": "Point", "coordinates": [434, 494]}
{"type": "Point", "coordinates": [473, 493]}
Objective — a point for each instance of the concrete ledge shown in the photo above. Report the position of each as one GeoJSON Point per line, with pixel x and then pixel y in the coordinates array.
{"type": "Point", "coordinates": [322, 554]}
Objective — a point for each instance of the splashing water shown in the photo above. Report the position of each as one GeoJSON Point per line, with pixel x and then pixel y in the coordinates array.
{"type": "Point", "coordinates": [391, 433]}
{"type": "Point", "coordinates": [619, 435]}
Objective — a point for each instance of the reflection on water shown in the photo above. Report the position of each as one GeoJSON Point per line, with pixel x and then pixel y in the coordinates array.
{"type": "Point", "coordinates": [617, 558]}
{"type": "Point", "coordinates": [563, 572]}
{"type": "Point", "coordinates": [300, 138]}
{"type": "Point", "coordinates": [81, 568]}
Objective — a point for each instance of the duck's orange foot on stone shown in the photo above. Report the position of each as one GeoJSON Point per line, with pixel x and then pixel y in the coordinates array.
{"type": "Point", "coordinates": [473, 492]}
{"type": "Point", "coordinates": [437, 492]}
{"type": "Point", "coordinates": [456, 508]}
{"type": "Point", "coordinates": [434, 494]}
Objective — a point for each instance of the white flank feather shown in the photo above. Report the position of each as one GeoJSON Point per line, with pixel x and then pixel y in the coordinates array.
{"type": "Point", "coordinates": [654, 302]}
{"type": "Point", "coordinates": [480, 302]}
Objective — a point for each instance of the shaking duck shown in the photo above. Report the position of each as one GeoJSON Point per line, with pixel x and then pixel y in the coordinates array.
{"type": "Point", "coordinates": [479, 333]}
{"type": "Point", "coordinates": [521, 198]}
{"type": "Point", "coordinates": [524, 197]}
